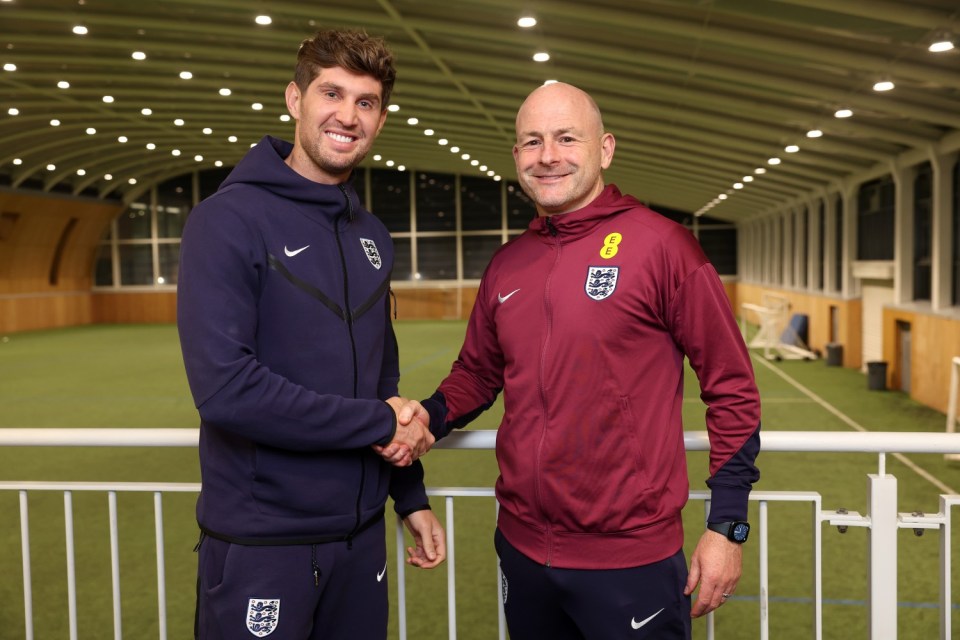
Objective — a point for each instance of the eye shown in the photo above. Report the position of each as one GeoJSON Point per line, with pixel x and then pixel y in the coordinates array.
{"type": "Point", "coordinates": [529, 144]}
{"type": "Point", "coordinates": [567, 139]}
{"type": "Point", "coordinates": [365, 104]}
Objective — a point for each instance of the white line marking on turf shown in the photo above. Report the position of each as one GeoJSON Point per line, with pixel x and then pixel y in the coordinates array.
{"type": "Point", "coordinates": [923, 473]}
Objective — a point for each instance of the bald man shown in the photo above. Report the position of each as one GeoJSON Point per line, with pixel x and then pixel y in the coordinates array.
{"type": "Point", "coordinates": [583, 322]}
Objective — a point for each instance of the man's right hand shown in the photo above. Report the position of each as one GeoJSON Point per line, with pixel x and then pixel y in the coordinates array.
{"type": "Point", "coordinates": [412, 438]}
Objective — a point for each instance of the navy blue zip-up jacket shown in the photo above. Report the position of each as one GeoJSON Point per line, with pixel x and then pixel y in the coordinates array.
{"type": "Point", "coordinates": [283, 310]}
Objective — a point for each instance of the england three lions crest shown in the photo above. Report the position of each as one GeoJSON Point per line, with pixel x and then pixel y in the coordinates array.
{"type": "Point", "coordinates": [263, 616]}
{"type": "Point", "coordinates": [601, 282]}
{"type": "Point", "coordinates": [370, 248]}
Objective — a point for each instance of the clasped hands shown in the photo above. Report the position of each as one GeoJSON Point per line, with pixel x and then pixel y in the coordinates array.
{"type": "Point", "coordinates": [412, 438]}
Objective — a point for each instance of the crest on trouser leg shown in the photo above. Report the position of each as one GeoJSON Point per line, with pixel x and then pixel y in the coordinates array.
{"type": "Point", "coordinates": [263, 615]}
{"type": "Point", "coordinates": [601, 282]}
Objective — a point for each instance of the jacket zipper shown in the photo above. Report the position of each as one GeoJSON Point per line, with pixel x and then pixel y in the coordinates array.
{"type": "Point", "coordinates": [540, 384]}
{"type": "Point", "coordinates": [348, 315]}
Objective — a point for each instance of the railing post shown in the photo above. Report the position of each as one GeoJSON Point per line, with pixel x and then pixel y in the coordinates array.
{"type": "Point", "coordinates": [882, 507]}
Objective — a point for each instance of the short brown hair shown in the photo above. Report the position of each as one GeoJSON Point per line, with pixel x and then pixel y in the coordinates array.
{"type": "Point", "coordinates": [351, 50]}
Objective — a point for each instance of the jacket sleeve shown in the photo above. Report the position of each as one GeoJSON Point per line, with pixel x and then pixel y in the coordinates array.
{"type": "Point", "coordinates": [476, 377]}
{"type": "Point", "coordinates": [222, 262]}
{"type": "Point", "coordinates": [390, 369]}
{"type": "Point", "coordinates": [702, 324]}
{"type": "Point", "coordinates": [407, 489]}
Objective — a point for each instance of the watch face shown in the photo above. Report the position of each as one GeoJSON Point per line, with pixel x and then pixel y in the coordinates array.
{"type": "Point", "coordinates": [740, 531]}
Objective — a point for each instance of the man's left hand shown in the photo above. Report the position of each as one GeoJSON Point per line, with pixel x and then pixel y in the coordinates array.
{"type": "Point", "coordinates": [715, 566]}
{"type": "Point", "coordinates": [429, 538]}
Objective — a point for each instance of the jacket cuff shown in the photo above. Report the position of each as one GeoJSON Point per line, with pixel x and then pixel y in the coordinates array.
{"type": "Point", "coordinates": [393, 427]}
{"type": "Point", "coordinates": [728, 503]}
{"type": "Point", "coordinates": [407, 489]}
{"type": "Point", "coordinates": [406, 512]}
{"type": "Point", "coordinates": [436, 406]}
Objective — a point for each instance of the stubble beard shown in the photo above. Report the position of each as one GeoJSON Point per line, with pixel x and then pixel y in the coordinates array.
{"type": "Point", "coordinates": [330, 163]}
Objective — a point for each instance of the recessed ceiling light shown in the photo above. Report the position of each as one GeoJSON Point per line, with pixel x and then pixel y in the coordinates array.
{"type": "Point", "coordinates": [773, 161]}
{"type": "Point", "coordinates": [179, 122]}
{"type": "Point", "coordinates": [412, 121]}
{"type": "Point", "coordinates": [218, 163]}
{"type": "Point", "coordinates": [108, 176]}
{"type": "Point", "coordinates": [13, 111]}
{"type": "Point", "coordinates": [393, 108]}
{"type": "Point", "coordinates": [17, 161]}
{"type": "Point", "coordinates": [738, 185]}
{"type": "Point", "coordinates": [132, 181]}
{"type": "Point", "coordinates": [81, 172]}
{"type": "Point", "coordinates": [815, 133]}
{"type": "Point", "coordinates": [186, 75]}
{"type": "Point", "coordinates": [263, 20]}
{"type": "Point", "coordinates": [377, 157]}
{"type": "Point", "coordinates": [146, 111]}
{"type": "Point", "coordinates": [546, 82]}
{"type": "Point", "coordinates": [428, 132]}
{"type": "Point", "coordinates": [138, 55]}
{"type": "Point", "coordinates": [541, 56]}
{"type": "Point", "coordinates": [175, 152]}
{"type": "Point", "coordinates": [442, 142]}
{"type": "Point", "coordinates": [843, 113]}
{"type": "Point", "coordinates": [285, 117]}
{"type": "Point", "coordinates": [256, 106]}
{"type": "Point", "coordinates": [759, 171]}
{"type": "Point", "coordinates": [491, 173]}
{"type": "Point", "coordinates": [401, 168]}
{"type": "Point", "coordinates": [54, 123]}
{"type": "Point", "coordinates": [465, 156]}
{"type": "Point", "coordinates": [526, 22]}
{"type": "Point", "coordinates": [232, 139]}
{"type": "Point", "coordinates": [198, 158]}
{"type": "Point", "coordinates": [497, 178]}
{"type": "Point", "coordinates": [80, 30]}
{"type": "Point", "coordinates": [91, 131]}
{"type": "Point", "coordinates": [390, 163]}
{"type": "Point", "coordinates": [63, 84]}
{"type": "Point", "coordinates": [108, 99]}
{"type": "Point", "coordinates": [792, 148]}
{"type": "Point", "coordinates": [9, 66]}
{"type": "Point", "coordinates": [225, 91]}
{"type": "Point", "coordinates": [748, 178]}
{"type": "Point", "coordinates": [51, 167]}
{"type": "Point", "coordinates": [454, 149]}
{"type": "Point", "coordinates": [942, 42]}
{"type": "Point", "coordinates": [883, 85]}
{"type": "Point", "coordinates": [483, 167]}
{"type": "Point", "coordinates": [122, 139]}
{"type": "Point", "coordinates": [207, 131]}
{"type": "Point", "coordinates": [151, 146]}
{"type": "Point", "coordinates": [722, 196]}
{"type": "Point", "coordinates": [474, 163]}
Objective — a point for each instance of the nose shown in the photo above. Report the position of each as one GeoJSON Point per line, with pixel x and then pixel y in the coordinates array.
{"type": "Point", "coordinates": [548, 152]}
{"type": "Point", "coordinates": [347, 114]}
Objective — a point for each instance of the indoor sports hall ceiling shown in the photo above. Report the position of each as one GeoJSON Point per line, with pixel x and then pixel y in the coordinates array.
{"type": "Point", "coordinates": [700, 94]}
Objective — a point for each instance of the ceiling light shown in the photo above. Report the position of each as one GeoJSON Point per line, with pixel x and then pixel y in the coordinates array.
{"type": "Point", "coordinates": [942, 41]}
{"type": "Point", "coordinates": [132, 181]}
{"type": "Point", "coordinates": [393, 108]}
{"type": "Point", "coordinates": [526, 22]}
{"type": "Point", "coordinates": [843, 113]}
{"type": "Point", "coordinates": [232, 139]}
{"type": "Point", "coordinates": [80, 30]}
{"type": "Point", "coordinates": [91, 131]}
{"type": "Point", "coordinates": [465, 156]}
{"type": "Point", "coordinates": [51, 167]}
{"type": "Point", "coordinates": [792, 148]}
{"type": "Point", "coordinates": [443, 142]}
{"type": "Point", "coordinates": [81, 172]}
{"type": "Point", "coordinates": [185, 75]}
{"type": "Point", "coordinates": [147, 112]}
{"type": "Point", "coordinates": [401, 168]}
{"type": "Point", "coordinates": [122, 139]}
{"type": "Point", "coordinates": [454, 149]}
{"type": "Point", "coordinates": [225, 92]}
{"type": "Point", "coordinates": [151, 146]}
{"type": "Point", "coordinates": [207, 131]}
{"type": "Point", "coordinates": [54, 123]}
{"type": "Point", "coordinates": [497, 178]}
{"type": "Point", "coordinates": [883, 85]}
{"type": "Point", "coordinates": [814, 133]}
{"type": "Point", "coordinates": [108, 99]}
{"type": "Point", "coordinates": [377, 157]}
{"type": "Point", "coordinates": [13, 111]}
{"type": "Point", "coordinates": [738, 185]}
{"type": "Point", "coordinates": [179, 122]}
{"type": "Point", "coordinates": [428, 132]}
{"type": "Point", "coordinates": [722, 196]}
{"type": "Point", "coordinates": [390, 163]}
{"type": "Point", "coordinates": [17, 161]}
{"type": "Point", "coordinates": [9, 66]}
{"type": "Point", "coordinates": [218, 163]}
{"type": "Point", "coordinates": [108, 176]}
{"type": "Point", "coordinates": [263, 20]}
{"type": "Point", "coordinates": [63, 84]}
{"type": "Point", "coordinates": [483, 168]}
{"type": "Point", "coordinates": [138, 55]}
{"type": "Point", "coordinates": [759, 171]}
{"type": "Point", "coordinates": [541, 56]}
{"type": "Point", "coordinates": [748, 178]}
{"type": "Point", "coordinates": [175, 152]}
{"type": "Point", "coordinates": [491, 173]}
{"type": "Point", "coordinates": [285, 117]}
{"type": "Point", "coordinates": [773, 161]}
{"type": "Point", "coordinates": [474, 163]}
{"type": "Point", "coordinates": [198, 158]}
{"type": "Point", "coordinates": [256, 106]}
{"type": "Point", "coordinates": [412, 121]}
{"type": "Point", "coordinates": [546, 82]}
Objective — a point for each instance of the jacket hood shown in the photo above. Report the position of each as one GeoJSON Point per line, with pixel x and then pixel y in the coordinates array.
{"type": "Point", "coordinates": [574, 224]}
{"type": "Point", "coordinates": [264, 167]}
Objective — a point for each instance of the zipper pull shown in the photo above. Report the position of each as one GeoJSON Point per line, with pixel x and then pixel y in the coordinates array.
{"type": "Point", "coordinates": [552, 229]}
{"type": "Point", "coordinates": [316, 567]}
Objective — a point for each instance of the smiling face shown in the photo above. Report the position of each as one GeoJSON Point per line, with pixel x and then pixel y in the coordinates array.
{"type": "Point", "coordinates": [338, 115]}
{"type": "Point", "coordinates": [561, 149]}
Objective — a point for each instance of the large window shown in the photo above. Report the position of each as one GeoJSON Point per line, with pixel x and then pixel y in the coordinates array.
{"type": "Point", "coordinates": [922, 232]}
{"type": "Point", "coordinates": [875, 219]}
{"type": "Point", "coordinates": [838, 246]}
{"type": "Point", "coordinates": [821, 246]}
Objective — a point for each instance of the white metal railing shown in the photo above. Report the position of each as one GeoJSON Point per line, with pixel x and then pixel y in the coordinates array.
{"type": "Point", "coordinates": [881, 520]}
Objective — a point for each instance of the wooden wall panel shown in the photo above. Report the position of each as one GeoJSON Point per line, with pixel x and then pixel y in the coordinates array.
{"type": "Point", "coordinates": [135, 307]}
{"type": "Point", "coordinates": [935, 341]}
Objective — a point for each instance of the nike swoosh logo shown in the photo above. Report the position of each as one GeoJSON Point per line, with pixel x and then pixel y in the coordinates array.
{"type": "Point", "coordinates": [384, 572]}
{"type": "Point", "coordinates": [503, 299]}
{"type": "Point", "coordinates": [637, 625]}
{"type": "Point", "coordinates": [290, 254]}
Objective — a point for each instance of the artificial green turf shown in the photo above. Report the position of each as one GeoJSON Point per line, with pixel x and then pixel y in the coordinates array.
{"type": "Point", "coordinates": [132, 376]}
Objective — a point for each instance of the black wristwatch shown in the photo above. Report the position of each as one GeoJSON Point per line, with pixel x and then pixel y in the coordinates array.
{"type": "Point", "coordinates": [734, 531]}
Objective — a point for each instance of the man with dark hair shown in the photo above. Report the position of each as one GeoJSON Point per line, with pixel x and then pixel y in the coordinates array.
{"type": "Point", "coordinates": [284, 319]}
{"type": "Point", "coordinates": [584, 321]}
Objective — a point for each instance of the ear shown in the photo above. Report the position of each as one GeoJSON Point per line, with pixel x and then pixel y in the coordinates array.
{"type": "Point", "coordinates": [292, 96]}
{"type": "Point", "coordinates": [607, 145]}
{"type": "Point", "coordinates": [383, 120]}
{"type": "Point", "coordinates": [516, 155]}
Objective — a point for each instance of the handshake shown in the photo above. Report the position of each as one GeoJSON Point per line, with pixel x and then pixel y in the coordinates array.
{"type": "Point", "coordinates": [412, 438]}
